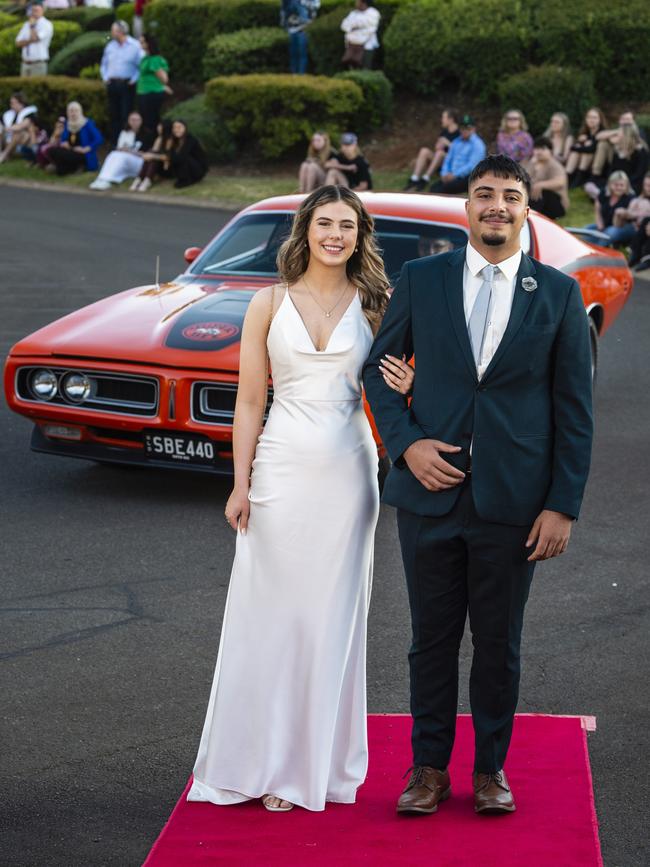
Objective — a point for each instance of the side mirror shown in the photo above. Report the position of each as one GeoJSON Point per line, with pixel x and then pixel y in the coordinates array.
{"type": "Point", "coordinates": [191, 253]}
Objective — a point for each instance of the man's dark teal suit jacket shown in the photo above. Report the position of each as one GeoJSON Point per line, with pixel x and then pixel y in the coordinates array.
{"type": "Point", "coordinates": [530, 416]}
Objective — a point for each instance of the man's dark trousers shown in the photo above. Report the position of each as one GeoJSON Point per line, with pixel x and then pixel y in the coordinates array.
{"type": "Point", "coordinates": [455, 563]}
{"type": "Point", "coordinates": [121, 97]}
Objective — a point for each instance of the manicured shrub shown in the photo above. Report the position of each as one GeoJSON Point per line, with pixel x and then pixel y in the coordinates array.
{"type": "Point", "coordinates": [542, 90]}
{"type": "Point", "coordinates": [463, 44]}
{"type": "Point", "coordinates": [64, 32]}
{"type": "Point", "coordinates": [258, 49]}
{"type": "Point", "coordinates": [126, 12]}
{"type": "Point", "coordinates": [85, 50]}
{"type": "Point", "coordinates": [51, 94]}
{"type": "Point", "coordinates": [6, 20]}
{"type": "Point", "coordinates": [213, 134]}
{"type": "Point", "coordinates": [274, 113]}
{"type": "Point", "coordinates": [91, 72]}
{"type": "Point", "coordinates": [610, 39]}
{"type": "Point", "coordinates": [377, 106]}
{"type": "Point", "coordinates": [88, 17]}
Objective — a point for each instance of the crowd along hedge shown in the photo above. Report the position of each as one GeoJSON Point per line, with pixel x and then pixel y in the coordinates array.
{"type": "Point", "coordinates": [213, 134]}
{"type": "Point", "coordinates": [434, 44]}
{"type": "Point", "coordinates": [85, 50]}
{"type": "Point", "coordinates": [274, 113]}
{"type": "Point", "coordinates": [263, 49]}
{"type": "Point", "coordinates": [543, 90]}
{"type": "Point", "coordinates": [64, 32]}
{"type": "Point", "coordinates": [611, 40]}
{"type": "Point", "coordinates": [377, 106]}
{"type": "Point", "coordinates": [50, 94]}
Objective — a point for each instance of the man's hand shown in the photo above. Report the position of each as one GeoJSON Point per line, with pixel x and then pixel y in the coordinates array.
{"type": "Point", "coordinates": [550, 535]}
{"type": "Point", "coordinates": [429, 468]}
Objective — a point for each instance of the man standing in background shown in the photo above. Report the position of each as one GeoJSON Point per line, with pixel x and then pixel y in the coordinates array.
{"type": "Point", "coordinates": [120, 68]}
{"type": "Point", "coordinates": [34, 41]}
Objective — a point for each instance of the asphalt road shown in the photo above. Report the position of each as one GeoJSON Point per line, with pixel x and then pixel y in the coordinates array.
{"type": "Point", "coordinates": [113, 581]}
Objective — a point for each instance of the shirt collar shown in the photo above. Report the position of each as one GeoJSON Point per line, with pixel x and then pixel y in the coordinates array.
{"type": "Point", "coordinates": [476, 262]}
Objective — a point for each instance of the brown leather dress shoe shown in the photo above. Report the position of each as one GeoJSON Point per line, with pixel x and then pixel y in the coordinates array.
{"type": "Point", "coordinates": [492, 794]}
{"type": "Point", "coordinates": [426, 788]}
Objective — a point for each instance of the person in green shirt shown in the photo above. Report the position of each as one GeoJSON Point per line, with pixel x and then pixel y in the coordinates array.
{"type": "Point", "coordinates": [153, 82]}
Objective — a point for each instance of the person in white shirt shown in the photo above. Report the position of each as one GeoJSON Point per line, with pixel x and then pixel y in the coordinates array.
{"type": "Point", "coordinates": [34, 40]}
{"type": "Point", "coordinates": [360, 28]}
{"type": "Point", "coordinates": [125, 161]}
{"type": "Point", "coordinates": [14, 126]}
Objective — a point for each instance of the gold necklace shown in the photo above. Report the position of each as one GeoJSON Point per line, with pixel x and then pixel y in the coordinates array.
{"type": "Point", "coordinates": [329, 312]}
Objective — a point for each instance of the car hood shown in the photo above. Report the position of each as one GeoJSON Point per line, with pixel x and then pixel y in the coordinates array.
{"type": "Point", "coordinates": [185, 323]}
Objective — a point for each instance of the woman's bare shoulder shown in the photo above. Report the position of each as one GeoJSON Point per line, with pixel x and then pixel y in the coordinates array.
{"type": "Point", "coordinates": [265, 297]}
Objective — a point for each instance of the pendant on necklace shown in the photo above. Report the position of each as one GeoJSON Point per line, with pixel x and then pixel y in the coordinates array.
{"type": "Point", "coordinates": [328, 315]}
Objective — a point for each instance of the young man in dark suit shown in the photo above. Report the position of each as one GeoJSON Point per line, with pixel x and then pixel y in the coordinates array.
{"type": "Point", "coordinates": [490, 462]}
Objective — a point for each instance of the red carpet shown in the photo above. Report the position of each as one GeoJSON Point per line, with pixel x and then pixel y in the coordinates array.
{"type": "Point", "coordinates": [555, 829]}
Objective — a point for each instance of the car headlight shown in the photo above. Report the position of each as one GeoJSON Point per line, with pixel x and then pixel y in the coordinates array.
{"type": "Point", "coordinates": [76, 387]}
{"type": "Point", "coordinates": [43, 384]}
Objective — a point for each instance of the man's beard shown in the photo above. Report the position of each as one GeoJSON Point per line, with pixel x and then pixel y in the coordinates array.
{"type": "Point", "coordinates": [493, 240]}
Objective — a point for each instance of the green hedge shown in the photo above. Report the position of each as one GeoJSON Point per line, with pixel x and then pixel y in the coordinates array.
{"type": "Point", "coordinates": [126, 12]}
{"type": "Point", "coordinates": [213, 134]}
{"type": "Point", "coordinates": [64, 32]}
{"type": "Point", "coordinates": [543, 90]}
{"type": "Point", "coordinates": [50, 94]}
{"type": "Point", "coordinates": [434, 44]}
{"type": "Point", "coordinates": [88, 17]}
{"type": "Point", "coordinates": [262, 49]}
{"type": "Point", "coordinates": [377, 106]}
{"type": "Point", "coordinates": [612, 40]}
{"type": "Point", "coordinates": [85, 50]}
{"type": "Point", "coordinates": [274, 113]}
{"type": "Point", "coordinates": [6, 20]}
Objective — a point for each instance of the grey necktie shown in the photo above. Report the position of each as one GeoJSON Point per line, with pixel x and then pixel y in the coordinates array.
{"type": "Point", "coordinates": [479, 315]}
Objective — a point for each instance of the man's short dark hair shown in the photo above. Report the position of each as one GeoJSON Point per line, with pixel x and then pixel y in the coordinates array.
{"type": "Point", "coordinates": [543, 142]}
{"type": "Point", "coordinates": [500, 166]}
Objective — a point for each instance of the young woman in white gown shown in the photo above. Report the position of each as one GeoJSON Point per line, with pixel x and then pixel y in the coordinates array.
{"type": "Point", "coordinates": [286, 720]}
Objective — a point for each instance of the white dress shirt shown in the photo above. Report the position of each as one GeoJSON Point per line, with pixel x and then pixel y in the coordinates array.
{"type": "Point", "coordinates": [360, 27]}
{"type": "Point", "coordinates": [503, 290]}
{"type": "Point", "coordinates": [40, 50]}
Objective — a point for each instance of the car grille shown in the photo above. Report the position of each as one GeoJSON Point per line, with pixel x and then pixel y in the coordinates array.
{"type": "Point", "coordinates": [214, 402]}
{"type": "Point", "coordinates": [118, 393]}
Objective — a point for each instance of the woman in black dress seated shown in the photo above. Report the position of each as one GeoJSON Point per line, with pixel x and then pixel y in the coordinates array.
{"type": "Point", "coordinates": [188, 162]}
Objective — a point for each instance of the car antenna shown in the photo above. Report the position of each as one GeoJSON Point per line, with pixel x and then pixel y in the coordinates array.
{"type": "Point", "coordinates": [158, 273]}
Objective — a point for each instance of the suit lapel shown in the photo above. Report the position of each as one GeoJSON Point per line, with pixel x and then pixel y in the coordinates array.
{"type": "Point", "coordinates": [454, 294]}
{"type": "Point", "coordinates": [521, 301]}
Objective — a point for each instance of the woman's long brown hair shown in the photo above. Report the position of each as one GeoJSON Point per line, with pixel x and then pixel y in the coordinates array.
{"type": "Point", "coordinates": [365, 267]}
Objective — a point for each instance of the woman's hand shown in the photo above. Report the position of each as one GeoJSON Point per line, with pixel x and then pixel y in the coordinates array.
{"type": "Point", "coordinates": [238, 509]}
{"type": "Point", "coordinates": [397, 374]}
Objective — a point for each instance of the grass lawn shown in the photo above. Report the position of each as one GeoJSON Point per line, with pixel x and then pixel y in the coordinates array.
{"type": "Point", "coordinates": [228, 188]}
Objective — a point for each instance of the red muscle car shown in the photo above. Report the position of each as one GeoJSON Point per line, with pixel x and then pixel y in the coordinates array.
{"type": "Point", "coordinates": [149, 376]}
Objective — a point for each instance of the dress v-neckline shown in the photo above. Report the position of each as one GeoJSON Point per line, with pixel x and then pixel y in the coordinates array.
{"type": "Point", "coordinates": [332, 333]}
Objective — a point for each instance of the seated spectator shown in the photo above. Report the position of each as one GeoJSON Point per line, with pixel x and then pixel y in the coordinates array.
{"type": "Point", "coordinates": [349, 168]}
{"type": "Point", "coordinates": [36, 138]}
{"type": "Point", "coordinates": [549, 189]}
{"type": "Point", "coordinates": [312, 172]}
{"type": "Point", "coordinates": [14, 124]}
{"type": "Point", "coordinates": [559, 134]}
{"type": "Point", "coordinates": [580, 160]}
{"type": "Point", "coordinates": [157, 161]}
{"type": "Point", "coordinates": [618, 193]}
{"type": "Point", "coordinates": [428, 161]}
{"type": "Point", "coordinates": [360, 27]}
{"type": "Point", "coordinates": [464, 153]}
{"type": "Point", "coordinates": [629, 154]}
{"type": "Point", "coordinates": [153, 82]}
{"type": "Point", "coordinates": [43, 153]}
{"type": "Point", "coordinates": [627, 221]}
{"type": "Point", "coordinates": [640, 247]}
{"type": "Point", "coordinates": [79, 142]}
{"type": "Point", "coordinates": [125, 161]}
{"type": "Point", "coordinates": [513, 138]}
{"type": "Point", "coordinates": [188, 161]}
{"type": "Point", "coordinates": [605, 144]}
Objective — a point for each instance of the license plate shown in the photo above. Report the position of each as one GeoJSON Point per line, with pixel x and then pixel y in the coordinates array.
{"type": "Point", "coordinates": [178, 448]}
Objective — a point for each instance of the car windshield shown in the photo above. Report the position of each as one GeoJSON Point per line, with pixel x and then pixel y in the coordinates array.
{"type": "Point", "coordinates": [249, 246]}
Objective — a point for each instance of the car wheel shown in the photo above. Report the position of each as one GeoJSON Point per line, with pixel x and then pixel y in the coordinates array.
{"type": "Point", "coordinates": [593, 343]}
{"type": "Point", "coordinates": [384, 467]}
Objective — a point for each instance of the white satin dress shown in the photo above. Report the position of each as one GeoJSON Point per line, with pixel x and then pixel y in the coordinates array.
{"type": "Point", "coordinates": [287, 711]}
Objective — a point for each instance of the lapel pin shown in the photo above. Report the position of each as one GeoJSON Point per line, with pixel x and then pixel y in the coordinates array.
{"type": "Point", "coordinates": [529, 284]}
